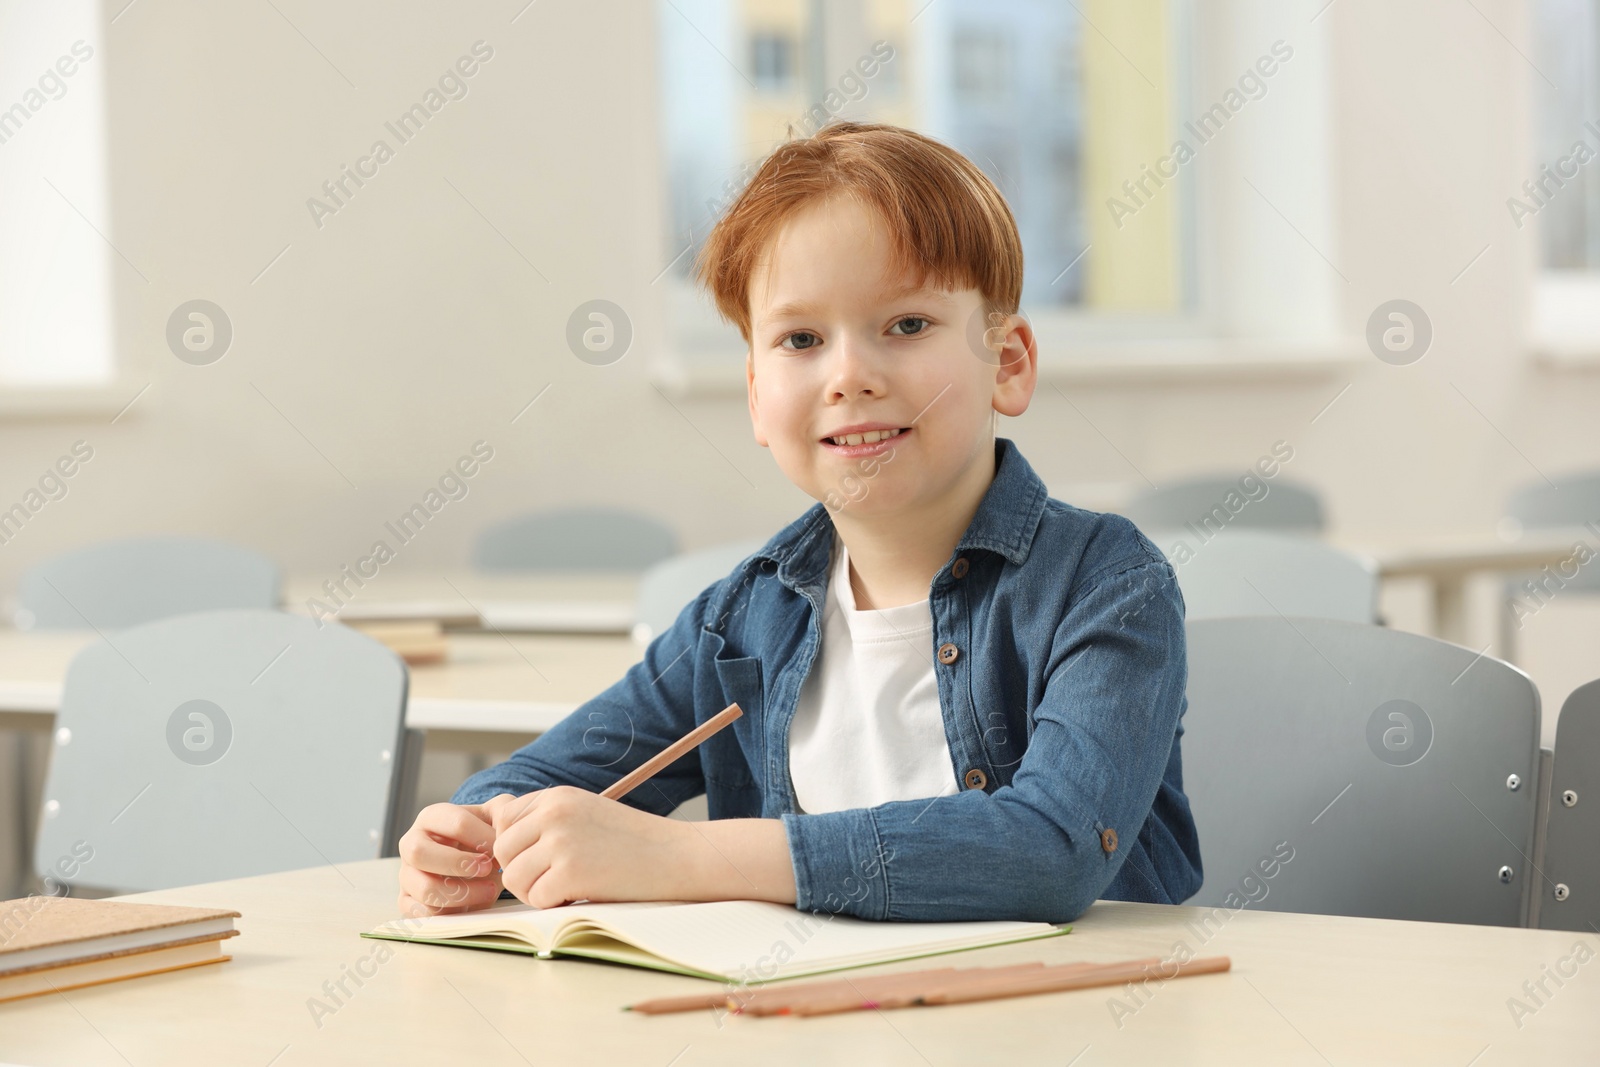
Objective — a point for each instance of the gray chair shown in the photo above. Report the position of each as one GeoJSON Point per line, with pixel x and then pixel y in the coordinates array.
{"type": "Point", "coordinates": [127, 582]}
{"type": "Point", "coordinates": [1215, 503]}
{"type": "Point", "coordinates": [1569, 891]}
{"type": "Point", "coordinates": [1574, 505]}
{"type": "Point", "coordinates": [609, 539]}
{"type": "Point", "coordinates": [225, 744]}
{"type": "Point", "coordinates": [668, 586]}
{"type": "Point", "coordinates": [1541, 506]}
{"type": "Point", "coordinates": [1259, 572]}
{"type": "Point", "coordinates": [1398, 770]}
{"type": "Point", "coordinates": [121, 583]}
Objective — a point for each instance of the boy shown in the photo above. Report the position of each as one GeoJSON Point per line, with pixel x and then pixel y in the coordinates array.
{"type": "Point", "coordinates": [962, 699]}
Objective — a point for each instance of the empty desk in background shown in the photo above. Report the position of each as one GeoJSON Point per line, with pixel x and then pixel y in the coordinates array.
{"type": "Point", "coordinates": [493, 694]}
{"type": "Point", "coordinates": [1304, 989]}
{"type": "Point", "coordinates": [491, 684]}
{"type": "Point", "coordinates": [1447, 564]}
{"type": "Point", "coordinates": [585, 602]}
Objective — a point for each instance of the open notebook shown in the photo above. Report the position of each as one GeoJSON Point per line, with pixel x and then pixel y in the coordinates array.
{"type": "Point", "coordinates": [744, 941]}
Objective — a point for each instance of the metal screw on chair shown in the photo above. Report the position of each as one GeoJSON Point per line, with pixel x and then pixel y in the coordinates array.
{"type": "Point", "coordinates": [1513, 783]}
{"type": "Point", "coordinates": [1506, 874]}
{"type": "Point", "coordinates": [1562, 892]}
{"type": "Point", "coordinates": [1569, 797]}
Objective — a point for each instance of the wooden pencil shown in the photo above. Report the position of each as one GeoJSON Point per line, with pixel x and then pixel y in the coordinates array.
{"type": "Point", "coordinates": [740, 998]}
{"type": "Point", "coordinates": [944, 985]}
{"type": "Point", "coordinates": [772, 1002]}
{"type": "Point", "coordinates": [870, 993]}
{"type": "Point", "coordinates": [637, 777]}
{"type": "Point", "coordinates": [1108, 974]}
{"type": "Point", "coordinates": [854, 991]}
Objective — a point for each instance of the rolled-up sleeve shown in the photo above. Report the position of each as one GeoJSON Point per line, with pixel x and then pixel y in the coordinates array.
{"type": "Point", "coordinates": [604, 738]}
{"type": "Point", "coordinates": [1047, 844]}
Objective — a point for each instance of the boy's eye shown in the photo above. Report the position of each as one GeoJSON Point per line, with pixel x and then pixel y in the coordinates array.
{"type": "Point", "coordinates": [918, 325]}
{"type": "Point", "coordinates": [800, 336]}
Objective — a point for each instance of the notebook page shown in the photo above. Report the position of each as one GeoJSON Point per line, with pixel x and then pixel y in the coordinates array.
{"type": "Point", "coordinates": [746, 940]}
{"type": "Point", "coordinates": [537, 926]}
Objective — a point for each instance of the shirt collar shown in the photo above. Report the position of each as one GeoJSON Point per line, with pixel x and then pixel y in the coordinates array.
{"type": "Point", "coordinates": [1005, 522]}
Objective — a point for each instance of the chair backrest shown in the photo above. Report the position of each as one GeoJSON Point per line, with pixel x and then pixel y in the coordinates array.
{"type": "Point", "coordinates": [1378, 762]}
{"type": "Point", "coordinates": [1259, 572]}
{"type": "Point", "coordinates": [1211, 504]}
{"type": "Point", "coordinates": [127, 582]}
{"type": "Point", "coordinates": [1573, 504]}
{"type": "Point", "coordinates": [1540, 505]}
{"type": "Point", "coordinates": [220, 745]}
{"type": "Point", "coordinates": [668, 586]}
{"type": "Point", "coordinates": [606, 539]}
{"type": "Point", "coordinates": [1571, 882]}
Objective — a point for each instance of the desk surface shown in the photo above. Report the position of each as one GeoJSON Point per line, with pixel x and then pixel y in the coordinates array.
{"type": "Point", "coordinates": [1304, 990]}
{"type": "Point", "coordinates": [1456, 556]}
{"type": "Point", "coordinates": [521, 683]}
{"type": "Point", "coordinates": [590, 601]}
{"type": "Point", "coordinates": [514, 683]}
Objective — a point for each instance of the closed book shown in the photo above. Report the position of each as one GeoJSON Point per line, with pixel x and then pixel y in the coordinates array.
{"type": "Point", "coordinates": [52, 943]}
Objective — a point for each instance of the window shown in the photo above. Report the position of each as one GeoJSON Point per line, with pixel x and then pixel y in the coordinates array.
{"type": "Point", "coordinates": [1560, 197]}
{"type": "Point", "coordinates": [56, 259]}
{"type": "Point", "coordinates": [1069, 109]}
{"type": "Point", "coordinates": [1565, 192]}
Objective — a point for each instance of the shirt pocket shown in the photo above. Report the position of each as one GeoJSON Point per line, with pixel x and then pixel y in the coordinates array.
{"type": "Point", "coordinates": [725, 758]}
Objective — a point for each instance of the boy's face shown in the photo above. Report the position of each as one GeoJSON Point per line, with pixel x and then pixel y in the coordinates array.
{"type": "Point", "coordinates": [836, 340]}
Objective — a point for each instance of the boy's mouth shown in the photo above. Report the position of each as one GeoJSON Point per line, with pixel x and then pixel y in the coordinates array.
{"type": "Point", "coordinates": [869, 443]}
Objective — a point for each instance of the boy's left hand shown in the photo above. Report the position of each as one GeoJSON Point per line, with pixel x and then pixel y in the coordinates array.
{"type": "Point", "coordinates": [563, 844]}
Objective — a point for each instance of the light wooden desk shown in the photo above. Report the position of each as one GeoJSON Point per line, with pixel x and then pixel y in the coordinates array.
{"type": "Point", "coordinates": [1447, 563]}
{"type": "Point", "coordinates": [581, 601]}
{"type": "Point", "coordinates": [512, 684]}
{"type": "Point", "coordinates": [1304, 990]}
{"type": "Point", "coordinates": [494, 694]}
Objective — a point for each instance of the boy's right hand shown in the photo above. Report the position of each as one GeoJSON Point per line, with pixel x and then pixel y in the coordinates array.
{"type": "Point", "coordinates": [447, 861]}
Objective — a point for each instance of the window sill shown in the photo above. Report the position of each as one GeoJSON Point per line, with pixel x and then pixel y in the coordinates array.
{"type": "Point", "coordinates": [712, 374]}
{"type": "Point", "coordinates": [69, 402]}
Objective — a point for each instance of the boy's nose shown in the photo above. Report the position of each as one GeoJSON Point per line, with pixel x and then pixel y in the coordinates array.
{"type": "Point", "coordinates": [856, 370]}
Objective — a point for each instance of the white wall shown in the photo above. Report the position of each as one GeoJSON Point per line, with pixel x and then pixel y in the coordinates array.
{"type": "Point", "coordinates": [406, 327]}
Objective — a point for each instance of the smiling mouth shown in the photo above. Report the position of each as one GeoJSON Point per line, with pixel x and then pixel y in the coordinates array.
{"type": "Point", "coordinates": [871, 437]}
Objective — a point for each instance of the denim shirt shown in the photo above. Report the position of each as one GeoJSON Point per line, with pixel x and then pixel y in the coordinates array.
{"type": "Point", "coordinates": [1058, 647]}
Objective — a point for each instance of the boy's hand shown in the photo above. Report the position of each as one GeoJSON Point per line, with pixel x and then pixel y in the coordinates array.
{"type": "Point", "coordinates": [563, 844]}
{"type": "Point", "coordinates": [446, 862]}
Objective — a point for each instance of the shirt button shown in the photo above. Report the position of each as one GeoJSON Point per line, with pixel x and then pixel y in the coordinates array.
{"type": "Point", "coordinates": [948, 653]}
{"type": "Point", "coordinates": [975, 779]}
{"type": "Point", "coordinates": [959, 567]}
{"type": "Point", "coordinates": [1108, 839]}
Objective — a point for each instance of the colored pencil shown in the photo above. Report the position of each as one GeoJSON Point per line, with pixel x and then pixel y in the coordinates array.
{"type": "Point", "coordinates": [944, 985]}
{"type": "Point", "coordinates": [635, 778]}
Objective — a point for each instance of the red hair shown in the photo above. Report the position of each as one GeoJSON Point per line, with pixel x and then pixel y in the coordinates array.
{"type": "Point", "coordinates": [945, 218]}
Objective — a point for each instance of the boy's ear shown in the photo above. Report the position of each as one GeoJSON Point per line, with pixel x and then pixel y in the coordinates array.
{"type": "Point", "coordinates": [1018, 370]}
{"type": "Point", "coordinates": [750, 384]}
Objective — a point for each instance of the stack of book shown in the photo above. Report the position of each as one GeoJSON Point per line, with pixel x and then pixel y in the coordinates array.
{"type": "Point", "coordinates": [415, 641]}
{"type": "Point", "coordinates": [53, 944]}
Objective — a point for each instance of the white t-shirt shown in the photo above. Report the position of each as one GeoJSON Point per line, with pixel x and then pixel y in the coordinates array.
{"type": "Point", "coordinates": [868, 728]}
